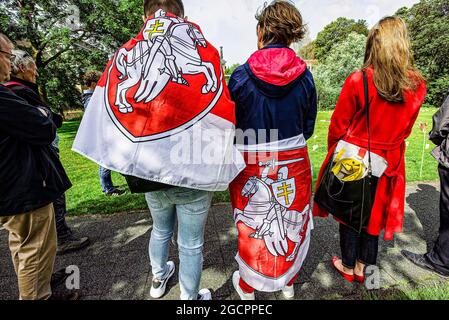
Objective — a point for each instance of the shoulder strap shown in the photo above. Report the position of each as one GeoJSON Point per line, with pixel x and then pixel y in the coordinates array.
{"type": "Point", "coordinates": [367, 109]}
{"type": "Point", "coordinates": [10, 84]}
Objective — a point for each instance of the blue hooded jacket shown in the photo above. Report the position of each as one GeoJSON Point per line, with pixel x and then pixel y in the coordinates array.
{"type": "Point", "coordinates": [274, 90]}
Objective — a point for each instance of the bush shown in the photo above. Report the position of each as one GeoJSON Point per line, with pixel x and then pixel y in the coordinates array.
{"type": "Point", "coordinates": [437, 90]}
{"type": "Point", "coordinates": [330, 75]}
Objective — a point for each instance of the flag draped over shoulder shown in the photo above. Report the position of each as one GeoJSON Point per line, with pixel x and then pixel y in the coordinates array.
{"type": "Point", "coordinates": [271, 200]}
{"type": "Point", "coordinates": [162, 111]}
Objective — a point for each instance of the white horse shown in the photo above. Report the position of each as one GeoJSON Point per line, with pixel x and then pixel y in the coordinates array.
{"type": "Point", "coordinates": [260, 206]}
{"type": "Point", "coordinates": [154, 62]}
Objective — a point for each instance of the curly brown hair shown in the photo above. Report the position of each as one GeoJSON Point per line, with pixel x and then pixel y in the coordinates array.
{"type": "Point", "coordinates": [91, 77]}
{"type": "Point", "coordinates": [174, 6]}
{"type": "Point", "coordinates": [280, 22]}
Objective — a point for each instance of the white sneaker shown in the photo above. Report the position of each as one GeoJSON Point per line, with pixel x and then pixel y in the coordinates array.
{"type": "Point", "coordinates": [204, 294]}
{"type": "Point", "coordinates": [242, 294]}
{"type": "Point", "coordinates": [158, 285]}
{"type": "Point", "coordinates": [289, 292]}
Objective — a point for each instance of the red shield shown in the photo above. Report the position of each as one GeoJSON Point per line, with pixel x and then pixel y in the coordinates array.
{"type": "Point", "coordinates": [253, 251]}
{"type": "Point", "coordinates": [175, 108]}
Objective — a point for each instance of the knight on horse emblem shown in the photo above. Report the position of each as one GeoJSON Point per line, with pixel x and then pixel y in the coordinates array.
{"type": "Point", "coordinates": [267, 209]}
{"type": "Point", "coordinates": [170, 42]}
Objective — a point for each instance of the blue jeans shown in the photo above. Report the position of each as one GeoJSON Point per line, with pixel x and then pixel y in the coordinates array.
{"type": "Point", "coordinates": [105, 180]}
{"type": "Point", "coordinates": [190, 207]}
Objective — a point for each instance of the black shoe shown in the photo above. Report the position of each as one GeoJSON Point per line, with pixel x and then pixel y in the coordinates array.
{"type": "Point", "coordinates": [115, 192]}
{"type": "Point", "coordinates": [71, 244]}
{"type": "Point", "coordinates": [58, 278]}
{"type": "Point", "coordinates": [421, 261]}
{"type": "Point", "coordinates": [72, 295]}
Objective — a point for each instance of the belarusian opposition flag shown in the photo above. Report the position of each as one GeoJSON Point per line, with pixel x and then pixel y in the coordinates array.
{"type": "Point", "coordinates": [162, 111]}
{"type": "Point", "coordinates": [271, 200]}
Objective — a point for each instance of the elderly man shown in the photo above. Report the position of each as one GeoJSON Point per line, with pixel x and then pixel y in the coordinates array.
{"type": "Point", "coordinates": [31, 179]}
{"type": "Point", "coordinates": [23, 84]}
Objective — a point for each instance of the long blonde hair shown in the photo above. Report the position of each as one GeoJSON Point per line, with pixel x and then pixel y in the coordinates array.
{"type": "Point", "coordinates": [388, 51]}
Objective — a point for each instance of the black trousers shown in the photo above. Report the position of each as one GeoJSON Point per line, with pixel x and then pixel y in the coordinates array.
{"type": "Point", "coordinates": [355, 247]}
{"type": "Point", "coordinates": [439, 256]}
{"type": "Point", "coordinates": [62, 229]}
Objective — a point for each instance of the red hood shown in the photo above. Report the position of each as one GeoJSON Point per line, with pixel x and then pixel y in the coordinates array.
{"type": "Point", "coordinates": [277, 66]}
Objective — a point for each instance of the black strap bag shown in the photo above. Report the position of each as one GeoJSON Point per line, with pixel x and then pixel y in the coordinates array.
{"type": "Point", "coordinates": [137, 185]}
{"type": "Point", "coordinates": [349, 202]}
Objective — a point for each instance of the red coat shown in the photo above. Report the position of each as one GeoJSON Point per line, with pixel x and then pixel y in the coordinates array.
{"type": "Point", "coordinates": [390, 124]}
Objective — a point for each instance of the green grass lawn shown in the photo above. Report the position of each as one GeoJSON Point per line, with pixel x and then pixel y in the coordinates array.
{"type": "Point", "coordinates": [425, 291]}
{"type": "Point", "coordinates": [85, 197]}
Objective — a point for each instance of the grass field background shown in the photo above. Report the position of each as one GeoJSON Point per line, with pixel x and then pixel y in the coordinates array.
{"type": "Point", "coordinates": [85, 197]}
{"type": "Point", "coordinates": [418, 291]}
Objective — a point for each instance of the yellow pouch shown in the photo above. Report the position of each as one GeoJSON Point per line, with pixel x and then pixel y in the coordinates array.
{"type": "Point", "coordinates": [348, 169]}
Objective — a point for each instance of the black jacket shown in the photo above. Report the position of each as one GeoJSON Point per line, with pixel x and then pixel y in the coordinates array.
{"type": "Point", "coordinates": [439, 134]}
{"type": "Point", "coordinates": [31, 175]}
{"type": "Point", "coordinates": [30, 92]}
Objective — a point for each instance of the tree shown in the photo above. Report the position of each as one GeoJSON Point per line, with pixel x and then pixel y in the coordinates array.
{"type": "Point", "coordinates": [335, 32]}
{"type": "Point", "coordinates": [343, 59]}
{"type": "Point", "coordinates": [307, 51]}
{"type": "Point", "coordinates": [67, 37]}
{"type": "Point", "coordinates": [428, 23]}
{"type": "Point", "coordinates": [231, 69]}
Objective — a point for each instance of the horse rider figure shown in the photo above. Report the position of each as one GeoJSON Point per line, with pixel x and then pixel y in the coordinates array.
{"type": "Point", "coordinates": [278, 211]}
{"type": "Point", "coordinates": [158, 34]}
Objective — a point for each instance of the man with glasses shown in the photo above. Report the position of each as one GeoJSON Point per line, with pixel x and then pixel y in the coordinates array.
{"type": "Point", "coordinates": [31, 179]}
{"type": "Point", "coordinates": [6, 57]}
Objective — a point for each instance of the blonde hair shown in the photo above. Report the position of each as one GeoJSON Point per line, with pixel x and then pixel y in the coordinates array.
{"type": "Point", "coordinates": [388, 51]}
{"type": "Point", "coordinates": [280, 23]}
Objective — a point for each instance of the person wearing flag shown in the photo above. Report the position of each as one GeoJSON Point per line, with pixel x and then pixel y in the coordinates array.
{"type": "Point", "coordinates": [161, 115]}
{"type": "Point", "coordinates": [276, 109]}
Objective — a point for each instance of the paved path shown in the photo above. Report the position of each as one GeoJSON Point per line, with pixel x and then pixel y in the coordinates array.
{"type": "Point", "coordinates": [116, 265]}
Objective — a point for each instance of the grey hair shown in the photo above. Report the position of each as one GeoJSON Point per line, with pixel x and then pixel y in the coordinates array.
{"type": "Point", "coordinates": [22, 58]}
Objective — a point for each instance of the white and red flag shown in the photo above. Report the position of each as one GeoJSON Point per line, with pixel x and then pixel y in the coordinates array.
{"type": "Point", "coordinates": [271, 200]}
{"type": "Point", "coordinates": [162, 111]}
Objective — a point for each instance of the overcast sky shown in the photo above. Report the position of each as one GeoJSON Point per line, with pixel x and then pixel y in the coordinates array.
{"type": "Point", "coordinates": [231, 23]}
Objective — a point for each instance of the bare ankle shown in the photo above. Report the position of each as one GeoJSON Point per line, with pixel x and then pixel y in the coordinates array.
{"type": "Point", "coordinates": [359, 268]}
{"type": "Point", "coordinates": [348, 270]}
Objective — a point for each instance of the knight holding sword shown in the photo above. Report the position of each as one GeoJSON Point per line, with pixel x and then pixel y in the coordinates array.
{"type": "Point", "coordinates": [288, 188]}
{"type": "Point", "coordinates": [158, 33]}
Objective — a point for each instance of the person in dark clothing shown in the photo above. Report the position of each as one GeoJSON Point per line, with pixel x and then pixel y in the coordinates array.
{"type": "Point", "coordinates": [31, 179]}
{"type": "Point", "coordinates": [90, 80]}
{"type": "Point", "coordinates": [23, 84]}
{"type": "Point", "coordinates": [437, 260]}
